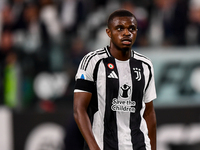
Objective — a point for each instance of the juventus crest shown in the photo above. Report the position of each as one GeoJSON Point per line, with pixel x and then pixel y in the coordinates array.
{"type": "Point", "coordinates": [138, 73]}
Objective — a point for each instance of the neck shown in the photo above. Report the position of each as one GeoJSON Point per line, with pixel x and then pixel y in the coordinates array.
{"type": "Point", "coordinates": [120, 54]}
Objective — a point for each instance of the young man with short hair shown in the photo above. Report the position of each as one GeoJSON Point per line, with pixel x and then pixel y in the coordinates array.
{"type": "Point", "coordinates": [114, 92]}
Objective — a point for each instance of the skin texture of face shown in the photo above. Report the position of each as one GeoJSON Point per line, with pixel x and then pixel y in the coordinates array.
{"type": "Point", "coordinates": [122, 32]}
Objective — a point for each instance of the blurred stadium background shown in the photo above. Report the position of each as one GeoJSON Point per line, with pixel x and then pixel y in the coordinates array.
{"type": "Point", "coordinates": [42, 42]}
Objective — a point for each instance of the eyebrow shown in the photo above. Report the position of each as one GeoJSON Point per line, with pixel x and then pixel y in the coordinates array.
{"type": "Point", "coordinates": [133, 26]}
{"type": "Point", "coordinates": [117, 26]}
{"type": "Point", "coordinates": [122, 26]}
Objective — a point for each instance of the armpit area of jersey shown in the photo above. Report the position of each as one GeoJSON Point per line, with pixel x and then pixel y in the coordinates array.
{"type": "Point", "coordinates": [84, 85]}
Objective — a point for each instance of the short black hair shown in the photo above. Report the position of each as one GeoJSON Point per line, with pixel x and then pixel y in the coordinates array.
{"type": "Point", "coordinates": [119, 13]}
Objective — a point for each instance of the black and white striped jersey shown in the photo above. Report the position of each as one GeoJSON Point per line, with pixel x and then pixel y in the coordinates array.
{"type": "Point", "coordinates": [119, 90]}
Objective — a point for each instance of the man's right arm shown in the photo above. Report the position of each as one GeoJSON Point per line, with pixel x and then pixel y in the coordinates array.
{"type": "Point", "coordinates": [81, 102]}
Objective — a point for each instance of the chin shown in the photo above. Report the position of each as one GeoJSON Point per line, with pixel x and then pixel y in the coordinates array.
{"type": "Point", "coordinates": [126, 48]}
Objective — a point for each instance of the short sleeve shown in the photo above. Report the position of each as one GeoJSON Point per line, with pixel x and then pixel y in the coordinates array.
{"type": "Point", "coordinates": [84, 76]}
{"type": "Point", "coordinates": [150, 93]}
{"type": "Point", "coordinates": [85, 69]}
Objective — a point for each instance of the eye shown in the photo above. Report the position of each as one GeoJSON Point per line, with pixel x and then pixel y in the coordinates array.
{"type": "Point", "coordinates": [132, 29]}
{"type": "Point", "coordinates": [119, 29]}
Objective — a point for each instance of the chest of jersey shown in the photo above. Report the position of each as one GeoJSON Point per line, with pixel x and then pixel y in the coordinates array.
{"type": "Point", "coordinates": [121, 84]}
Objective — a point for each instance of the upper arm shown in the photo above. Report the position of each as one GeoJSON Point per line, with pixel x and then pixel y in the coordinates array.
{"type": "Point", "coordinates": [150, 118]}
{"type": "Point", "coordinates": [85, 84]}
{"type": "Point", "coordinates": [149, 110]}
{"type": "Point", "coordinates": [150, 115]}
{"type": "Point", "coordinates": [81, 100]}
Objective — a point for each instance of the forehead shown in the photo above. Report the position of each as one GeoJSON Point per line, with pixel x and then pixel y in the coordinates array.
{"type": "Point", "coordinates": [124, 21]}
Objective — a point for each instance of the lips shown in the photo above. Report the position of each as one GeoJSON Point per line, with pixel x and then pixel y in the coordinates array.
{"type": "Point", "coordinates": [126, 41]}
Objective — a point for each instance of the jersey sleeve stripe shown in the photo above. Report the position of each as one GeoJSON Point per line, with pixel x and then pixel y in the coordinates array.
{"type": "Point", "coordinates": [83, 61]}
{"type": "Point", "coordinates": [88, 60]}
{"type": "Point", "coordinates": [150, 76]}
{"type": "Point", "coordinates": [97, 52]}
{"type": "Point", "coordinates": [107, 51]}
{"type": "Point", "coordinates": [140, 55]}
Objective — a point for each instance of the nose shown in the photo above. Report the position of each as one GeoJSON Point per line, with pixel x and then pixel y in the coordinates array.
{"type": "Point", "coordinates": [127, 32]}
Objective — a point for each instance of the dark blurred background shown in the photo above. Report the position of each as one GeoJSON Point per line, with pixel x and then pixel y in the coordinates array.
{"type": "Point", "coordinates": [42, 43]}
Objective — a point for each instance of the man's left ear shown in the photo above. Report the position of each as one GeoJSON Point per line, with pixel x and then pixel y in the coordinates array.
{"type": "Point", "coordinates": [108, 32]}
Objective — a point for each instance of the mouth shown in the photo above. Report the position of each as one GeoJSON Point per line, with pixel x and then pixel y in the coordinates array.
{"type": "Point", "coordinates": [126, 41]}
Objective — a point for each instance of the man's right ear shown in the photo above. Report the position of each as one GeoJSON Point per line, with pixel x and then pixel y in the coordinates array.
{"type": "Point", "coordinates": [108, 32]}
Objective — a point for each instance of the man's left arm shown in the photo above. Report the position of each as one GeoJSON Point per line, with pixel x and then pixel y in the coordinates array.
{"type": "Point", "coordinates": [150, 117]}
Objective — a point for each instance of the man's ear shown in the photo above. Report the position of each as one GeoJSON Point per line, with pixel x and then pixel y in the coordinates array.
{"type": "Point", "coordinates": [108, 32]}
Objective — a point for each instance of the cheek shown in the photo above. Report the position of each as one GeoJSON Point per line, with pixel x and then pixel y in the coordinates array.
{"type": "Point", "coordinates": [134, 36]}
{"type": "Point", "coordinates": [115, 37]}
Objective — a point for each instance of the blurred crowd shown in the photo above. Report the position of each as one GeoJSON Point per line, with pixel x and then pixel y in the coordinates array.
{"type": "Point", "coordinates": [52, 36]}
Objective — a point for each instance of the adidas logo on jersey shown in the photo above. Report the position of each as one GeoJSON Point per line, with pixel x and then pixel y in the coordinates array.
{"type": "Point", "coordinates": [112, 75]}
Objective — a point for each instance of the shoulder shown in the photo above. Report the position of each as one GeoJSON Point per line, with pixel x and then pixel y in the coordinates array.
{"type": "Point", "coordinates": [143, 58]}
{"type": "Point", "coordinates": [98, 54]}
{"type": "Point", "coordinates": [94, 56]}
{"type": "Point", "coordinates": [101, 52]}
